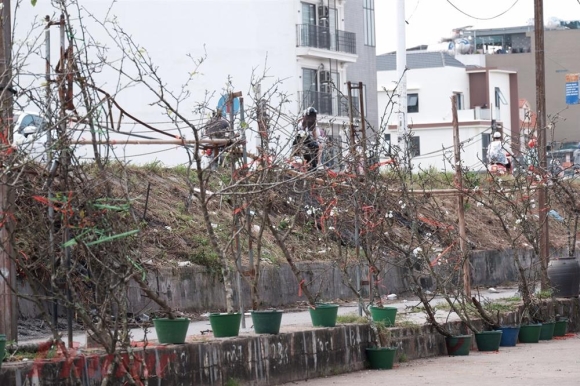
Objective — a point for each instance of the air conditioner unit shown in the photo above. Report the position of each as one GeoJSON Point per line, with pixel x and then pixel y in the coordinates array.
{"type": "Point", "coordinates": [322, 12]}
{"type": "Point", "coordinates": [324, 77]}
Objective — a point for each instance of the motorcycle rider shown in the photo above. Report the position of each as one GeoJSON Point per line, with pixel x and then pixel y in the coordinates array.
{"type": "Point", "coordinates": [306, 139]}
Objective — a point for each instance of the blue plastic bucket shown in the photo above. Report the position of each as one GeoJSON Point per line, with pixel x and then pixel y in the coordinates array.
{"type": "Point", "coordinates": [509, 338]}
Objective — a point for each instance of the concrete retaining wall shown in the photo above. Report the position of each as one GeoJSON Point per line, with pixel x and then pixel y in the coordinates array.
{"type": "Point", "coordinates": [250, 360]}
{"type": "Point", "coordinates": [195, 289]}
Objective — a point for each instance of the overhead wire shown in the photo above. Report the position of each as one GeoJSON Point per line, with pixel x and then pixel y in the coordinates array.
{"type": "Point", "coordinates": [415, 9]}
{"type": "Point", "coordinates": [484, 18]}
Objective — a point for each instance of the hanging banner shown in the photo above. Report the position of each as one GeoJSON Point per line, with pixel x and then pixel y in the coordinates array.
{"type": "Point", "coordinates": [572, 89]}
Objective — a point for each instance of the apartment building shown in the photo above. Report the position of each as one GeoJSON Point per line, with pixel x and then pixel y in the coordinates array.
{"type": "Point", "coordinates": [305, 50]}
{"type": "Point", "coordinates": [514, 47]}
{"type": "Point", "coordinates": [485, 97]}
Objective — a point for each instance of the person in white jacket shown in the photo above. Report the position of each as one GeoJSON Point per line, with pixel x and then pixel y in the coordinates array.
{"type": "Point", "coordinates": [496, 154]}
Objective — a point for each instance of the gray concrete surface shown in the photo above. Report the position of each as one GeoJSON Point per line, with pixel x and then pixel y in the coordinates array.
{"type": "Point", "coordinates": [555, 362]}
{"type": "Point", "coordinates": [194, 289]}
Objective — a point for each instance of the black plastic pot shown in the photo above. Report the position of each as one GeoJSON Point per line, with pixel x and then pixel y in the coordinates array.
{"type": "Point", "coordinates": [564, 275]}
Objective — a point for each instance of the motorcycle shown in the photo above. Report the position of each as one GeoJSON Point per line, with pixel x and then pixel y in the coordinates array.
{"type": "Point", "coordinates": [498, 169]}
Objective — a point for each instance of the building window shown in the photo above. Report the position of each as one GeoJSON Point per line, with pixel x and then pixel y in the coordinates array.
{"type": "Point", "coordinates": [499, 98]}
{"type": "Point", "coordinates": [459, 100]}
{"type": "Point", "coordinates": [387, 145]}
{"type": "Point", "coordinates": [415, 147]}
{"type": "Point", "coordinates": [412, 103]}
{"type": "Point", "coordinates": [485, 140]}
{"type": "Point", "coordinates": [317, 91]}
{"type": "Point", "coordinates": [369, 22]}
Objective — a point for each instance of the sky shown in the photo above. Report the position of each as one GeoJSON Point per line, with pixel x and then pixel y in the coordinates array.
{"type": "Point", "coordinates": [430, 20]}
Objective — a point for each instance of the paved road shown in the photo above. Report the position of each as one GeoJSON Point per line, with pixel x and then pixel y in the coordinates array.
{"type": "Point", "coordinates": [547, 363]}
{"type": "Point", "coordinates": [291, 321]}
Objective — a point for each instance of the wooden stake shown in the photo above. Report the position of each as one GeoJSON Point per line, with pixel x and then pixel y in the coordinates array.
{"type": "Point", "coordinates": [460, 208]}
{"type": "Point", "coordinates": [8, 314]}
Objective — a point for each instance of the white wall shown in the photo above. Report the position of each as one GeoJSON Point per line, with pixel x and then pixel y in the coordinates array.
{"type": "Point", "coordinates": [435, 87]}
{"type": "Point", "coordinates": [436, 146]}
{"type": "Point", "coordinates": [502, 80]}
{"type": "Point", "coordinates": [472, 59]}
{"type": "Point", "coordinates": [237, 38]}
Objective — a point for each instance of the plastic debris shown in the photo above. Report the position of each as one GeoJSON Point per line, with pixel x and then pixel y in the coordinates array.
{"type": "Point", "coordinates": [493, 290]}
{"type": "Point", "coordinates": [392, 297]}
{"type": "Point", "coordinates": [555, 215]}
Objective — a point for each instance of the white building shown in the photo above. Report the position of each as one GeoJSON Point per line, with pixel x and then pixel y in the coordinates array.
{"type": "Point", "coordinates": [483, 95]}
{"type": "Point", "coordinates": [306, 49]}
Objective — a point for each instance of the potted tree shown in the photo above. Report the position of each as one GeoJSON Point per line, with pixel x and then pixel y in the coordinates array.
{"type": "Point", "coordinates": [170, 329]}
{"type": "Point", "coordinates": [264, 321]}
{"type": "Point", "coordinates": [253, 182]}
{"type": "Point", "coordinates": [225, 324]}
{"type": "Point", "coordinates": [382, 355]}
{"type": "Point", "coordinates": [322, 314]}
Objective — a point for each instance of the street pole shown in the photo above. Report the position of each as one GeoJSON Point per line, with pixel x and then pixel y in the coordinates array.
{"type": "Point", "coordinates": [541, 122]}
{"type": "Point", "coordinates": [460, 206]}
{"type": "Point", "coordinates": [402, 132]}
{"type": "Point", "coordinates": [8, 321]}
{"type": "Point", "coordinates": [363, 129]}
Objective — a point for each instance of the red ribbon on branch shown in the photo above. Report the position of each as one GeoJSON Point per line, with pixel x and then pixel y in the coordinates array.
{"type": "Point", "coordinates": [300, 288]}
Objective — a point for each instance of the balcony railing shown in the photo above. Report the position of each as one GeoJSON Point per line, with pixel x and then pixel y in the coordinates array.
{"type": "Point", "coordinates": [328, 104]}
{"type": "Point", "coordinates": [309, 35]}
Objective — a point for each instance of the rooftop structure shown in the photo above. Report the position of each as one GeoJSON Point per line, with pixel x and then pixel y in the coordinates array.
{"type": "Point", "coordinates": [417, 60]}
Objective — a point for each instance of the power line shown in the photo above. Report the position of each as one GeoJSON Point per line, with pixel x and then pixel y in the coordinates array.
{"type": "Point", "coordinates": [485, 18]}
{"type": "Point", "coordinates": [414, 10]}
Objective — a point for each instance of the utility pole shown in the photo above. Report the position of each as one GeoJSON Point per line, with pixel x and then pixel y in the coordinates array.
{"type": "Point", "coordinates": [8, 321]}
{"type": "Point", "coordinates": [460, 207]}
{"type": "Point", "coordinates": [541, 122]}
{"type": "Point", "coordinates": [402, 130]}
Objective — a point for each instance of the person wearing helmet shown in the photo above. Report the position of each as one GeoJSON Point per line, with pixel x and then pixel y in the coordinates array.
{"type": "Point", "coordinates": [496, 152]}
{"type": "Point", "coordinates": [307, 138]}
{"type": "Point", "coordinates": [576, 157]}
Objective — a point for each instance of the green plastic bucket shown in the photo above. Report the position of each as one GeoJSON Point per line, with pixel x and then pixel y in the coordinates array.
{"type": "Point", "coordinates": [381, 358]}
{"type": "Point", "coordinates": [171, 331]}
{"type": "Point", "coordinates": [386, 315]}
{"type": "Point", "coordinates": [2, 348]}
{"type": "Point", "coordinates": [561, 327]}
{"type": "Point", "coordinates": [225, 325]}
{"type": "Point", "coordinates": [267, 322]}
{"type": "Point", "coordinates": [488, 340]}
{"type": "Point", "coordinates": [458, 344]}
{"type": "Point", "coordinates": [324, 315]}
{"type": "Point", "coordinates": [547, 331]}
{"type": "Point", "coordinates": [530, 333]}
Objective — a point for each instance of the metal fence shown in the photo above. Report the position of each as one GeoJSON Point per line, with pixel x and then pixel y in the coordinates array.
{"type": "Point", "coordinates": [310, 35]}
